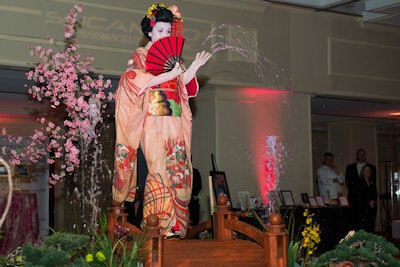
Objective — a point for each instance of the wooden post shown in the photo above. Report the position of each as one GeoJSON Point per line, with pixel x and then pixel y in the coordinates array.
{"type": "Point", "coordinates": [154, 243]}
{"type": "Point", "coordinates": [276, 242]}
{"type": "Point", "coordinates": [223, 212]}
{"type": "Point", "coordinates": [113, 216]}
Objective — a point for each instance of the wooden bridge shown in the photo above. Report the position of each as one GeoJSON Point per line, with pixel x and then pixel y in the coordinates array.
{"type": "Point", "coordinates": [260, 248]}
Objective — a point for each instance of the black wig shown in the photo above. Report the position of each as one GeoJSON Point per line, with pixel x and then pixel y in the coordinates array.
{"type": "Point", "coordinates": [159, 14]}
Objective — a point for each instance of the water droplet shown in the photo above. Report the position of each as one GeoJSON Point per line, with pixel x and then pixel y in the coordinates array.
{"type": "Point", "coordinates": [241, 41]}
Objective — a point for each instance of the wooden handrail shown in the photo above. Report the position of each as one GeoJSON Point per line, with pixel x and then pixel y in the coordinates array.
{"type": "Point", "coordinates": [196, 230]}
{"type": "Point", "coordinates": [153, 243]}
{"type": "Point", "coordinates": [246, 229]}
{"type": "Point", "coordinates": [274, 241]}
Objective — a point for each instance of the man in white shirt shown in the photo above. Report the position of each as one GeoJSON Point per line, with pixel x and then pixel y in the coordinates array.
{"type": "Point", "coordinates": [330, 180]}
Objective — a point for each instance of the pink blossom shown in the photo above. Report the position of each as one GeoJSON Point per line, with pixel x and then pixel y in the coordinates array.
{"type": "Point", "coordinates": [57, 71]}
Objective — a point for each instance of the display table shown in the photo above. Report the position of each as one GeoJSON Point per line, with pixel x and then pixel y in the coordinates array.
{"type": "Point", "coordinates": [22, 221]}
{"type": "Point", "coordinates": [335, 222]}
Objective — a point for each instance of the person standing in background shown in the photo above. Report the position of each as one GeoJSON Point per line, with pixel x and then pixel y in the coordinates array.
{"type": "Point", "coordinates": [330, 179]}
{"type": "Point", "coordinates": [353, 172]}
{"type": "Point", "coordinates": [366, 199]}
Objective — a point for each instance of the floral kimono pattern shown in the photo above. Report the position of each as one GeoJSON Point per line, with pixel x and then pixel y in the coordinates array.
{"type": "Point", "coordinates": [160, 122]}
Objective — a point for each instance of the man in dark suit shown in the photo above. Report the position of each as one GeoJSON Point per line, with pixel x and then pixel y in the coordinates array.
{"type": "Point", "coordinates": [353, 174]}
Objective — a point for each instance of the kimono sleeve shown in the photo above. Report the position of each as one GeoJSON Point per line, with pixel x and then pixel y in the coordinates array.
{"type": "Point", "coordinates": [135, 80]}
{"type": "Point", "coordinates": [138, 59]}
{"type": "Point", "coordinates": [192, 87]}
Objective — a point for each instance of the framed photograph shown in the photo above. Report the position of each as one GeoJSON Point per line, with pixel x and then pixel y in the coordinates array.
{"type": "Point", "coordinates": [304, 198]}
{"type": "Point", "coordinates": [220, 185]}
{"type": "Point", "coordinates": [245, 200]}
{"type": "Point", "coordinates": [313, 203]}
{"type": "Point", "coordinates": [320, 201]}
{"type": "Point", "coordinates": [287, 198]}
{"type": "Point", "coordinates": [343, 201]}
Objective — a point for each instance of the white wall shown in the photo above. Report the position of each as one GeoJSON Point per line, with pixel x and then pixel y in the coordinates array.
{"type": "Point", "coordinates": [234, 123]}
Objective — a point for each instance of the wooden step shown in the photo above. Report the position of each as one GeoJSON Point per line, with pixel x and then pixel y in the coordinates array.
{"type": "Point", "coordinates": [212, 253]}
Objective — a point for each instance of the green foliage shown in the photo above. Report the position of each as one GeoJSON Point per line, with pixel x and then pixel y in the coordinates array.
{"type": "Point", "coordinates": [58, 249]}
{"type": "Point", "coordinates": [44, 256]}
{"type": "Point", "coordinates": [72, 250]}
{"type": "Point", "coordinates": [117, 254]}
{"type": "Point", "coordinates": [362, 247]}
{"type": "Point", "coordinates": [291, 224]}
{"type": "Point", "coordinates": [293, 252]}
{"type": "Point", "coordinates": [67, 242]}
{"type": "Point", "coordinates": [79, 262]}
{"type": "Point", "coordinates": [2, 261]}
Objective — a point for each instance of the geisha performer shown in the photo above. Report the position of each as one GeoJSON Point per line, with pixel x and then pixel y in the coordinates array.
{"type": "Point", "coordinates": [152, 111]}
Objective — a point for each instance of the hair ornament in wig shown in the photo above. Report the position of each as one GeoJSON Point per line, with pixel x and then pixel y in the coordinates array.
{"type": "Point", "coordinates": [175, 11]}
{"type": "Point", "coordinates": [177, 24]}
{"type": "Point", "coordinates": [152, 12]}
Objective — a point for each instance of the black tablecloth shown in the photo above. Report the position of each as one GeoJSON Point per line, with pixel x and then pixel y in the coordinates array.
{"type": "Point", "coordinates": [335, 222]}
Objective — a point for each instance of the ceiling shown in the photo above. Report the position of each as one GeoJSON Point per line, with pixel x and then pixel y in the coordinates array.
{"type": "Point", "coordinates": [385, 12]}
{"type": "Point", "coordinates": [355, 108]}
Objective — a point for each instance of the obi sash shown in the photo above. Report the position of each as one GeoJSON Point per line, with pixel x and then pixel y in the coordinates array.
{"type": "Point", "coordinates": [164, 100]}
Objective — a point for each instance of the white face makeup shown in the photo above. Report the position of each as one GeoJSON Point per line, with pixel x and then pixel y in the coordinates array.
{"type": "Point", "coordinates": [160, 30]}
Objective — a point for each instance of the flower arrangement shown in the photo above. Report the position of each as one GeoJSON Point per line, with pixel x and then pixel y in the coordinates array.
{"type": "Point", "coordinates": [301, 251]}
{"type": "Point", "coordinates": [311, 237]}
{"type": "Point", "coordinates": [65, 79]}
{"type": "Point", "coordinates": [361, 249]}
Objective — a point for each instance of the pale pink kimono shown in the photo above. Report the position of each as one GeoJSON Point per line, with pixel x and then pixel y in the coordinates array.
{"type": "Point", "coordinates": [165, 141]}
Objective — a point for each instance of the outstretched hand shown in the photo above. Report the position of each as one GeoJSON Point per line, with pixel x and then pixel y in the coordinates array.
{"type": "Point", "coordinates": [201, 59]}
